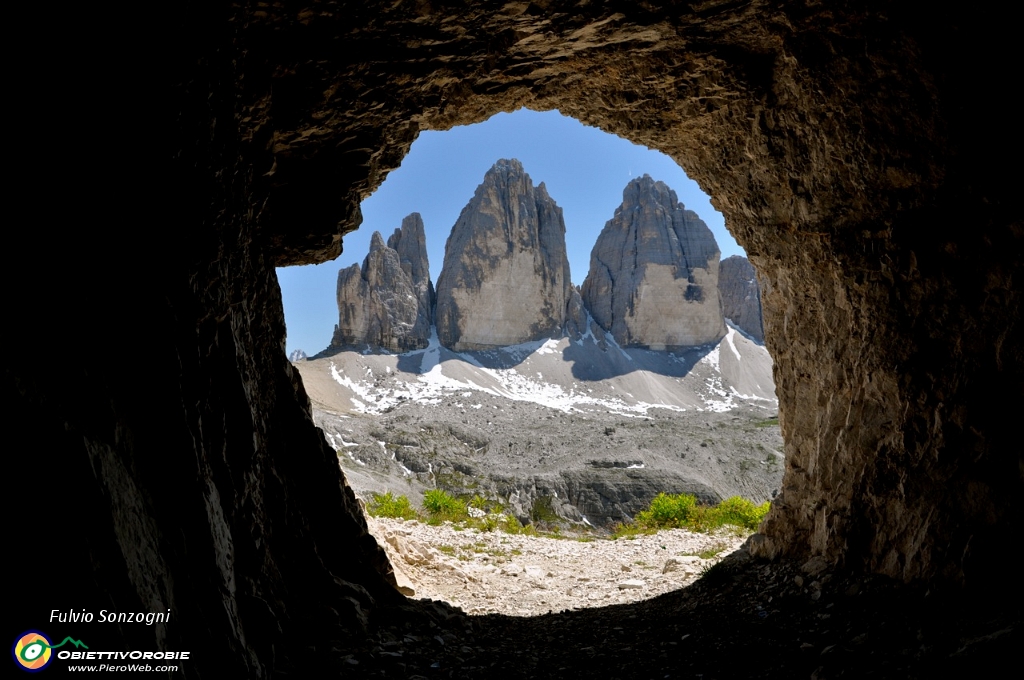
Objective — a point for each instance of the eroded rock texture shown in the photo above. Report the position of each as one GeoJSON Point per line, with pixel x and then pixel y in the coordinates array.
{"type": "Point", "coordinates": [575, 315]}
{"type": "Point", "coordinates": [653, 279]}
{"type": "Point", "coordinates": [388, 302]}
{"type": "Point", "coordinates": [856, 157]}
{"type": "Point", "coordinates": [505, 278]}
{"type": "Point", "coordinates": [741, 295]}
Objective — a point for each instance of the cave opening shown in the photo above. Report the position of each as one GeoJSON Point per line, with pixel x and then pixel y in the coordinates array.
{"type": "Point", "coordinates": [518, 436]}
{"type": "Point", "coordinates": [847, 147]}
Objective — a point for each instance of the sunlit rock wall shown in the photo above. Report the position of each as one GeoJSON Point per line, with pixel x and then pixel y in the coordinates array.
{"type": "Point", "coordinates": [505, 278]}
{"type": "Point", "coordinates": [653, 279]}
{"type": "Point", "coordinates": [741, 295]}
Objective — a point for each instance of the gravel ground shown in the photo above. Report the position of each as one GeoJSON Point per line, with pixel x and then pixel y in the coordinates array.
{"type": "Point", "coordinates": [744, 618]}
{"type": "Point", "coordinates": [519, 575]}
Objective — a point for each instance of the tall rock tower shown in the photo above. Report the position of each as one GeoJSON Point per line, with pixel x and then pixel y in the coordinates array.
{"type": "Point", "coordinates": [388, 301]}
{"type": "Point", "coordinates": [505, 278]}
{"type": "Point", "coordinates": [653, 279]}
{"type": "Point", "coordinates": [741, 295]}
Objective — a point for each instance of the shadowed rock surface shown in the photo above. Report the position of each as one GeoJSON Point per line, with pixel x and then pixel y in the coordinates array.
{"type": "Point", "coordinates": [846, 146]}
{"type": "Point", "coordinates": [388, 301]}
{"type": "Point", "coordinates": [741, 295]}
{"type": "Point", "coordinates": [410, 242]}
{"type": "Point", "coordinates": [505, 278]}
{"type": "Point", "coordinates": [653, 279]}
{"type": "Point", "coordinates": [576, 316]}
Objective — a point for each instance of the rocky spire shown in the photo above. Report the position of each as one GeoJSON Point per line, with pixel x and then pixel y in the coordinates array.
{"type": "Point", "coordinates": [387, 302]}
{"type": "Point", "coordinates": [505, 278]}
{"type": "Point", "coordinates": [653, 279]}
{"type": "Point", "coordinates": [741, 295]}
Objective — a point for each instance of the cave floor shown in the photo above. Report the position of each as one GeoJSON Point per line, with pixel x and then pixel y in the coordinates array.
{"type": "Point", "coordinates": [744, 619]}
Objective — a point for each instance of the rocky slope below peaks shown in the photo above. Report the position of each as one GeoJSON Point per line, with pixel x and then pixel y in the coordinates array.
{"type": "Point", "coordinates": [584, 428]}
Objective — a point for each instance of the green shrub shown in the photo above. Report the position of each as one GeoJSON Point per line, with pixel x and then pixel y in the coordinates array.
{"type": "Point", "coordinates": [668, 512]}
{"type": "Point", "coordinates": [442, 506]}
{"type": "Point", "coordinates": [704, 518]}
{"type": "Point", "coordinates": [630, 530]}
{"type": "Point", "coordinates": [513, 526]}
{"type": "Point", "coordinates": [488, 523]}
{"type": "Point", "coordinates": [389, 505]}
{"type": "Point", "coordinates": [741, 512]}
{"type": "Point", "coordinates": [681, 511]}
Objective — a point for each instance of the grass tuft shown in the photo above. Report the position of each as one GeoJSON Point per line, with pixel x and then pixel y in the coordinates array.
{"type": "Point", "coordinates": [443, 507]}
{"type": "Point", "coordinates": [389, 505]}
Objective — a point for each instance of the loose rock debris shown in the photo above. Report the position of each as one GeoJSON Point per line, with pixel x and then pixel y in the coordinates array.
{"type": "Point", "coordinates": [521, 575]}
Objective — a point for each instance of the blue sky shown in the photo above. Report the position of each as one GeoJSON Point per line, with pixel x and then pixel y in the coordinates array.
{"type": "Point", "coordinates": [585, 171]}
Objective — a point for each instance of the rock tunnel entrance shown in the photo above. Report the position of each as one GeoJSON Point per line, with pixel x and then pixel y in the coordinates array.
{"type": "Point", "coordinates": [560, 432]}
{"type": "Point", "coordinates": [835, 140]}
{"type": "Point", "coordinates": [830, 218]}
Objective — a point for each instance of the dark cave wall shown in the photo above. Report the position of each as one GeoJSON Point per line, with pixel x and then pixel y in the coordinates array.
{"type": "Point", "coordinates": [179, 470]}
{"type": "Point", "coordinates": [840, 143]}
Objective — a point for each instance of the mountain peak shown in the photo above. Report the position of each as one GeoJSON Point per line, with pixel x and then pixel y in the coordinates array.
{"type": "Point", "coordinates": [388, 301]}
{"type": "Point", "coordinates": [376, 241]}
{"type": "Point", "coordinates": [741, 296]}
{"type": "Point", "coordinates": [505, 278]}
{"type": "Point", "coordinates": [653, 279]}
{"type": "Point", "coordinates": [508, 165]}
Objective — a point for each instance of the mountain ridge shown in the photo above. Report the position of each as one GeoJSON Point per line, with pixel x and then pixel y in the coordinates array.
{"type": "Point", "coordinates": [655, 278]}
{"type": "Point", "coordinates": [589, 416]}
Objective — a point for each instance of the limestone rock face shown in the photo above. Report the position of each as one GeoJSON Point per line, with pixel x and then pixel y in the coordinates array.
{"type": "Point", "coordinates": [575, 315]}
{"type": "Point", "coordinates": [410, 242]}
{"type": "Point", "coordinates": [741, 295]}
{"type": "Point", "coordinates": [505, 278]}
{"type": "Point", "coordinates": [387, 302]}
{"type": "Point", "coordinates": [653, 279]}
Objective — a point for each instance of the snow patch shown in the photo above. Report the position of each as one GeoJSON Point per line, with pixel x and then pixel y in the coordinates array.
{"type": "Point", "coordinates": [549, 347]}
{"type": "Point", "coordinates": [438, 368]}
{"type": "Point", "coordinates": [406, 472]}
{"type": "Point", "coordinates": [729, 336]}
{"type": "Point", "coordinates": [729, 322]}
